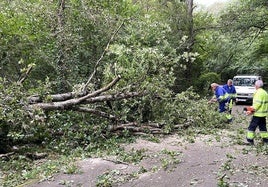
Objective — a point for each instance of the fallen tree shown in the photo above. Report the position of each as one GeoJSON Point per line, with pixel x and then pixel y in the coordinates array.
{"type": "Point", "coordinates": [55, 116]}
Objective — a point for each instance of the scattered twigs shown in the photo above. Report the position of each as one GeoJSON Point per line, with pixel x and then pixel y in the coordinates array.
{"type": "Point", "coordinates": [135, 127]}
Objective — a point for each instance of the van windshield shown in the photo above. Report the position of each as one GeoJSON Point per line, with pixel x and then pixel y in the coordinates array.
{"type": "Point", "coordinates": [244, 81]}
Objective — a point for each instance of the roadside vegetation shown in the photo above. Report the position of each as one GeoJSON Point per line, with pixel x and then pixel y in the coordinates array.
{"type": "Point", "coordinates": [79, 78]}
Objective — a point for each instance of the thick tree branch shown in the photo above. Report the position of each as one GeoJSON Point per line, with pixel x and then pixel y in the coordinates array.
{"type": "Point", "coordinates": [113, 97]}
{"type": "Point", "coordinates": [96, 112]}
{"type": "Point", "coordinates": [54, 98]}
{"type": "Point", "coordinates": [71, 102]}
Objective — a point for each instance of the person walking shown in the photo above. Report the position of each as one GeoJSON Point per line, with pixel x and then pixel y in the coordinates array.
{"type": "Point", "coordinates": [222, 97]}
{"type": "Point", "coordinates": [230, 89]}
{"type": "Point", "coordinates": [259, 110]}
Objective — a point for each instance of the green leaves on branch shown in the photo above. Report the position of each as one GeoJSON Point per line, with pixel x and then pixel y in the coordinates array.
{"type": "Point", "coordinates": [143, 57]}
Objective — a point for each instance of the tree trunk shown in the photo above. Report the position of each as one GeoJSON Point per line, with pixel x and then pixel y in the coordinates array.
{"type": "Point", "coordinates": [190, 43]}
{"type": "Point", "coordinates": [61, 59]}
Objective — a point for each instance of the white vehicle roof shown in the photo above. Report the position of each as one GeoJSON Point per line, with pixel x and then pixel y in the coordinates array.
{"type": "Point", "coordinates": [246, 76]}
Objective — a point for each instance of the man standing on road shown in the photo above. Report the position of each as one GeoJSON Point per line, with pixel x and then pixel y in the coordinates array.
{"type": "Point", "coordinates": [230, 89]}
{"type": "Point", "coordinates": [259, 109]}
{"type": "Point", "coordinates": [222, 97]}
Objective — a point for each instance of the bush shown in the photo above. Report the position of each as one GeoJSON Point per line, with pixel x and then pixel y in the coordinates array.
{"type": "Point", "coordinates": [202, 85]}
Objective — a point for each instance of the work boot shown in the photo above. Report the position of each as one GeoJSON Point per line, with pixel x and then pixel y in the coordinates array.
{"type": "Point", "coordinates": [249, 142]}
{"type": "Point", "coordinates": [230, 120]}
{"type": "Point", "coordinates": [265, 141]}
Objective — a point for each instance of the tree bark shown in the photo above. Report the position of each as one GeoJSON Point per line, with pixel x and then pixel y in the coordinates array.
{"type": "Point", "coordinates": [65, 104]}
{"type": "Point", "coordinates": [61, 61]}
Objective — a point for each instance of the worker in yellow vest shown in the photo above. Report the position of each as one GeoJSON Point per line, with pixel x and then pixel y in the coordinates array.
{"type": "Point", "coordinates": [259, 110]}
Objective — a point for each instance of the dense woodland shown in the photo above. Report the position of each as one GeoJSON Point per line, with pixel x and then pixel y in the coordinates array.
{"type": "Point", "coordinates": [73, 72]}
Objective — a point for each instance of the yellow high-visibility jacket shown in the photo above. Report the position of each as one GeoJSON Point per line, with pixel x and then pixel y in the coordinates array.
{"type": "Point", "coordinates": [260, 103]}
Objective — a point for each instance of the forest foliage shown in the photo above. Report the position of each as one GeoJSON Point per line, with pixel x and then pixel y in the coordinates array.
{"type": "Point", "coordinates": [119, 67]}
{"type": "Point", "coordinates": [80, 46]}
{"type": "Point", "coordinates": [120, 62]}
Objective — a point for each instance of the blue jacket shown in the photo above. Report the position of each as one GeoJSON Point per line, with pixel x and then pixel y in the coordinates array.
{"type": "Point", "coordinates": [221, 94]}
{"type": "Point", "coordinates": [222, 97]}
{"type": "Point", "coordinates": [230, 90]}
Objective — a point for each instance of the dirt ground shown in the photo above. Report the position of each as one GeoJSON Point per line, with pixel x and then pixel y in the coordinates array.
{"type": "Point", "coordinates": [201, 161]}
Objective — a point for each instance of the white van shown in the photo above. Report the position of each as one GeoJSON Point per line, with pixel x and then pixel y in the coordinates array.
{"type": "Point", "coordinates": [244, 85]}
